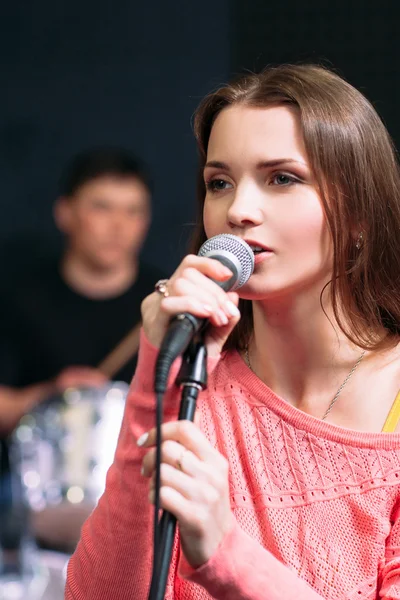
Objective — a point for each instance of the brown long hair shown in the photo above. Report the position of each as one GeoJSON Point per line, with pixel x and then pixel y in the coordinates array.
{"type": "Point", "coordinates": [355, 166]}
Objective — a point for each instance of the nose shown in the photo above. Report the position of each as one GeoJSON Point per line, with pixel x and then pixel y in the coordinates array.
{"type": "Point", "coordinates": [245, 209]}
{"type": "Point", "coordinates": [117, 223]}
{"type": "Point", "coordinates": [118, 220]}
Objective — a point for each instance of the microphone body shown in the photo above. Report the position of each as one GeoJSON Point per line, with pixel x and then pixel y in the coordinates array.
{"type": "Point", "coordinates": [238, 257]}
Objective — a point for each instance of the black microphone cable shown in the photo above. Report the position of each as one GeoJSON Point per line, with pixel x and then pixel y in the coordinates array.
{"type": "Point", "coordinates": [236, 254]}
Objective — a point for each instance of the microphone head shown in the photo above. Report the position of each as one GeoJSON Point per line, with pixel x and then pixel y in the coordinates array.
{"type": "Point", "coordinates": [234, 253]}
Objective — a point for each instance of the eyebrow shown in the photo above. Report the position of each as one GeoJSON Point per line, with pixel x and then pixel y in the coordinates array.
{"type": "Point", "coordinates": [265, 164]}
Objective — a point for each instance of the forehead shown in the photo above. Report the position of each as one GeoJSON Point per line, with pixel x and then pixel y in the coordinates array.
{"type": "Point", "coordinates": [243, 131]}
{"type": "Point", "coordinates": [114, 188]}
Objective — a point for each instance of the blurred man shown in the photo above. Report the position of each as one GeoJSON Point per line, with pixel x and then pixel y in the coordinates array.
{"type": "Point", "coordinates": [62, 323]}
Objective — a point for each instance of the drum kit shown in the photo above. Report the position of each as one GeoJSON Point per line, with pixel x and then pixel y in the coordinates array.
{"type": "Point", "coordinates": [59, 457]}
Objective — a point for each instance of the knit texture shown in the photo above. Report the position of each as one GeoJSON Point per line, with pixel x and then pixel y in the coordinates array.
{"type": "Point", "coordinates": [316, 506]}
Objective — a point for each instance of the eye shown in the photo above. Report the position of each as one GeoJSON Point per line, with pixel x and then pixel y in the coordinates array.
{"type": "Point", "coordinates": [136, 211]}
{"type": "Point", "coordinates": [217, 185]}
{"type": "Point", "coordinates": [100, 205]}
{"type": "Point", "coordinates": [283, 179]}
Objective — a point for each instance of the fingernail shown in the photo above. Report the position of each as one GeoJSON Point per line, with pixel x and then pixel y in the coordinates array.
{"type": "Point", "coordinates": [222, 317]}
{"type": "Point", "coordinates": [226, 271]}
{"type": "Point", "coordinates": [143, 439]}
{"type": "Point", "coordinates": [232, 309]}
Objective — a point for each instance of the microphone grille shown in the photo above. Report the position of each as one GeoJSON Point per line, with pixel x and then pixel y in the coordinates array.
{"type": "Point", "coordinates": [228, 243]}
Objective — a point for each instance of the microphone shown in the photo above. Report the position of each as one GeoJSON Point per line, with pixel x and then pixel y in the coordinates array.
{"type": "Point", "coordinates": [235, 254]}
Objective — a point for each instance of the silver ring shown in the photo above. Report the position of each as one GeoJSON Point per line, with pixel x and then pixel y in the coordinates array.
{"type": "Point", "coordinates": [161, 287]}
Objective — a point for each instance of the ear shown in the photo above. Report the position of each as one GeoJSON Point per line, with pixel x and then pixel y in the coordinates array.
{"type": "Point", "coordinates": [62, 213]}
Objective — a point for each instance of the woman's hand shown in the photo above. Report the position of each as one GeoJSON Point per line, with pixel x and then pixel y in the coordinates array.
{"type": "Point", "coordinates": [194, 487]}
{"type": "Point", "coordinates": [192, 290]}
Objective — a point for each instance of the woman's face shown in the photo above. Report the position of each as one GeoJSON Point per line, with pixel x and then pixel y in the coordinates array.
{"type": "Point", "coordinates": [260, 188]}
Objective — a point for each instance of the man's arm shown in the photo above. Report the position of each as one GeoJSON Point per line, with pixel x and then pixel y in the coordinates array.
{"type": "Point", "coordinates": [15, 402]}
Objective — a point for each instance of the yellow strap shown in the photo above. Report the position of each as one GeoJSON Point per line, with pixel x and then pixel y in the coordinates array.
{"type": "Point", "coordinates": [393, 416]}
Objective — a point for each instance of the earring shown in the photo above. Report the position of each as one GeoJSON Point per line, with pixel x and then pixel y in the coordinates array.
{"type": "Point", "coordinates": [360, 240]}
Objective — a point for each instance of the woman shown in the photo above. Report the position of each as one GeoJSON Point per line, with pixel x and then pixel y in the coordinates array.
{"type": "Point", "coordinates": [286, 486]}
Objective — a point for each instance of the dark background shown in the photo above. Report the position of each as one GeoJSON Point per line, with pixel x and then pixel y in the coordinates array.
{"type": "Point", "coordinates": [76, 74]}
{"type": "Point", "coordinates": [358, 38]}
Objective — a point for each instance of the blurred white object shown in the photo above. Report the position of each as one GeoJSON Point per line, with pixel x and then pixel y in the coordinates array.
{"type": "Point", "coordinates": [62, 452]}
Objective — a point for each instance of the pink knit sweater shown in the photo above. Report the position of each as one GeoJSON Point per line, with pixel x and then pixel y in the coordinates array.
{"type": "Point", "coordinates": [316, 506]}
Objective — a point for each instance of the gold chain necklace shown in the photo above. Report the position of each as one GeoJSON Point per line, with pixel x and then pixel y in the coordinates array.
{"type": "Point", "coordinates": [335, 397]}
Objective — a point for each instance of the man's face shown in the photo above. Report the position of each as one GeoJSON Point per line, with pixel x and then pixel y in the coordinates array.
{"type": "Point", "coordinates": [106, 220]}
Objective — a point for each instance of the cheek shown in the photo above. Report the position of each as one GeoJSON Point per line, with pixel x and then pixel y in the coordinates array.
{"type": "Point", "coordinates": [305, 226]}
{"type": "Point", "coordinates": [311, 244]}
{"type": "Point", "coordinates": [137, 229]}
{"type": "Point", "coordinates": [92, 228]}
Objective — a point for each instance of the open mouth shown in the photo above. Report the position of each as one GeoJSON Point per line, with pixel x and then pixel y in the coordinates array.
{"type": "Point", "coordinates": [258, 249]}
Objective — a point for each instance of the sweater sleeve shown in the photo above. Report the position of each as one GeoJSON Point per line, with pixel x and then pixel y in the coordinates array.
{"type": "Point", "coordinates": [390, 573]}
{"type": "Point", "coordinates": [242, 569]}
{"type": "Point", "coordinates": [113, 558]}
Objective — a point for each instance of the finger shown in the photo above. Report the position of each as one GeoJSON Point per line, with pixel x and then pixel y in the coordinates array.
{"type": "Point", "coordinates": [183, 287]}
{"type": "Point", "coordinates": [216, 337]}
{"type": "Point", "coordinates": [208, 266]}
{"type": "Point", "coordinates": [176, 456]}
{"type": "Point", "coordinates": [171, 452]}
{"type": "Point", "coordinates": [194, 282]}
{"type": "Point", "coordinates": [186, 511]}
{"type": "Point", "coordinates": [191, 488]}
{"type": "Point", "coordinates": [234, 297]}
{"type": "Point", "coordinates": [83, 380]}
{"type": "Point", "coordinates": [174, 305]}
{"type": "Point", "coordinates": [203, 296]}
{"type": "Point", "coordinates": [204, 284]}
{"type": "Point", "coordinates": [212, 295]}
{"type": "Point", "coordinates": [187, 434]}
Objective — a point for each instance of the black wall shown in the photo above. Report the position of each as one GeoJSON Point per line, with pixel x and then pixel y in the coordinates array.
{"type": "Point", "coordinates": [76, 74]}
{"type": "Point", "coordinates": [359, 38]}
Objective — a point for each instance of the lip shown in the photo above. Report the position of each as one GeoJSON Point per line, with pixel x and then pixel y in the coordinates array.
{"type": "Point", "coordinates": [255, 243]}
{"type": "Point", "coordinates": [259, 258]}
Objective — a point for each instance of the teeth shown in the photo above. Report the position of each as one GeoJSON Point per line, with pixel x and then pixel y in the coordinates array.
{"type": "Point", "coordinates": [256, 248]}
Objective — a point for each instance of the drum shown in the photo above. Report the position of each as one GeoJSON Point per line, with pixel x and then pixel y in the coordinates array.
{"type": "Point", "coordinates": [42, 576]}
{"type": "Point", "coordinates": [61, 452]}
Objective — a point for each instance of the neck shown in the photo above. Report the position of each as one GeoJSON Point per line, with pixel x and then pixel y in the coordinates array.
{"type": "Point", "coordinates": [97, 282]}
{"type": "Point", "coordinates": [311, 356]}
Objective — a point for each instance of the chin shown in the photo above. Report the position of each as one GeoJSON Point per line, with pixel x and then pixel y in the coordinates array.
{"type": "Point", "coordinates": [111, 260]}
{"type": "Point", "coordinates": [247, 293]}
{"type": "Point", "coordinates": [258, 289]}
{"type": "Point", "coordinates": [102, 264]}
{"type": "Point", "coordinates": [255, 289]}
